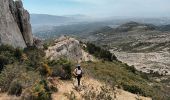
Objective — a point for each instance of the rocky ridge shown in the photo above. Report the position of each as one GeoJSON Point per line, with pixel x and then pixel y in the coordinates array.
{"type": "Point", "coordinates": [15, 24]}
{"type": "Point", "coordinates": [69, 48]}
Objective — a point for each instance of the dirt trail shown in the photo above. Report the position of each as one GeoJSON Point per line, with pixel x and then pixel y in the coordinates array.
{"type": "Point", "coordinates": [4, 96]}
{"type": "Point", "coordinates": [67, 90]}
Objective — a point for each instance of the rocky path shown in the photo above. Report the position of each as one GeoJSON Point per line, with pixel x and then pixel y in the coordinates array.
{"type": "Point", "coordinates": [4, 96]}
{"type": "Point", "coordinates": [67, 91]}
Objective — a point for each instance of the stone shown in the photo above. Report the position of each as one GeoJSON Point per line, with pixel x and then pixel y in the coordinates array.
{"type": "Point", "coordinates": [24, 23]}
{"type": "Point", "coordinates": [15, 27]}
{"type": "Point", "coordinates": [69, 48]}
{"type": "Point", "coordinates": [9, 31]}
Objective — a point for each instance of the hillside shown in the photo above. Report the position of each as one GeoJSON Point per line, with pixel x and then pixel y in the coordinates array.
{"type": "Point", "coordinates": [132, 26]}
{"type": "Point", "coordinates": [49, 77]}
{"type": "Point", "coordinates": [120, 60]}
{"type": "Point", "coordinates": [119, 74]}
{"type": "Point", "coordinates": [31, 64]}
{"type": "Point", "coordinates": [66, 91]}
{"type": "Point", "coordinates": [148, 42]}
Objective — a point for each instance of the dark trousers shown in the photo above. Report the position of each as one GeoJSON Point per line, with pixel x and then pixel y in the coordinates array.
{"type": "Point", "coordinates": [78, 79]}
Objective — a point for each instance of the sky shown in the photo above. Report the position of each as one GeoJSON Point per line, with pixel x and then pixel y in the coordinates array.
{"type": "Point", "coordinates": [100, 8]}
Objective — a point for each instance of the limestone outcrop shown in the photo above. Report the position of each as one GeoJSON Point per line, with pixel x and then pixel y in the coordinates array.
{"type": "Point", "coordinates": [15, 27]}
{"type": "Point", "coordinates": [69, 48]}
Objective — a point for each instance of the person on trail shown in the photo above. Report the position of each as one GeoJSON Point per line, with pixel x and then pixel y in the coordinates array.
{"type": "Point", "coordinates": [78, 73]}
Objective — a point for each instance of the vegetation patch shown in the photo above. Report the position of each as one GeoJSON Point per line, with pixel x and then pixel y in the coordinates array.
{"type": "Point", "coordinates": [99, 52]}
{"type": "Point", "coordinates": [117, 73]}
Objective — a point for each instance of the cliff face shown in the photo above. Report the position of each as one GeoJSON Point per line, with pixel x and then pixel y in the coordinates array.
{"type": "Point", "coordinates": [15, 28]}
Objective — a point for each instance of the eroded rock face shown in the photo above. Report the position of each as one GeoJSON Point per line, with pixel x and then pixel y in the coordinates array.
{"type": "Point", "coordinates": [69, 48]}
{"type": "Point", "coordinates": [15, 28]}
{"type": "Point", "coordinates": [24, 23]}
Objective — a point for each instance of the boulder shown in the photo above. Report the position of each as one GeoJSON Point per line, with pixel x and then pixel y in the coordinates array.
{"type": "Point", "coordinates": [69, 48]}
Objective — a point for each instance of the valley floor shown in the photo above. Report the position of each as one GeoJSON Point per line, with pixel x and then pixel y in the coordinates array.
{"type": "Point", "coordinates": [145, 62]}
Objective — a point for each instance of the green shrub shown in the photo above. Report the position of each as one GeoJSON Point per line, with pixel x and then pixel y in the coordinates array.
{"type": "Point", "coordinates": [100, 53]}
{"type": "Point", "coordinates": [103, 94]}
{"type": "Point", "coordinates": [117, 73]}
{"type": "Point", "coordinates": [8, 74]}
{"type": "Point", "coordinates": [6, 55]}
{"type": "Point", "coordinates": [131, 68]}
{"type": "Point", "coordinates": [17, 72]}
{"type": "Point", "coordinates": [6, 48]}
{"type": "Point", "coordinates": [15, 88]}
{"type": "Point", "coordinates": [133, 89]}
{"type": "Point", "coordinates": [62, 68]}
{"type": "Point", "coordinates": [41, 91]}
{"type": "Point", "coordinates": [3, 61]}
{"type": "Point", "coordinates": [53, 88]}
{"type": "Point", "coordinates": [35, 56]}
{"type": "Point", "coordinates": [45, 46]}
{"type": "Point", "coordinates": [55, 67]}
{"type": "Point", "coordinates": [18, 53]}
{"type": "Point", "coordinates": [45, 70]}
{"type": "Point", "coordinates": [67, 68]}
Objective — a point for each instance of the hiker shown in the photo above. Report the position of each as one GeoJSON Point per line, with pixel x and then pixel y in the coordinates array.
{"type": "Point", "coordinates": [78, 73]}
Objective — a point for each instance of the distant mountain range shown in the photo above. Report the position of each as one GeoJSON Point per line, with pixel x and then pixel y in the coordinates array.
{"type": "Point", "coordinates": [86, 29]}
{"type": "Point", "coordinates": [47, 22]}
{"type": "Point", "coordinates": [54, 20]}
{"type": "Point", "coordinates": [43, 19]}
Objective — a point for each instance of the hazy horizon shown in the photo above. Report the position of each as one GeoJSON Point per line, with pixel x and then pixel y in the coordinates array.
{"type": "Point", "coordinates": [100, 8]}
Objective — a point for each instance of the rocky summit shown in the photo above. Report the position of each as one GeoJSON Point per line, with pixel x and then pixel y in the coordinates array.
{"type": "Point", "coordinates": [15, 27]}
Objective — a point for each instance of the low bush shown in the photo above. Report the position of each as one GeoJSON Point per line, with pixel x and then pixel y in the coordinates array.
{"type": "Point", "coordinates": [131, 68]}
{"type": "Point", "coordinates": [41, 91]}
{"type": "Point", "coordinates": [45, 46]}
{"type": "Point", "coordinates": [18, 53]}
{"type": "Point", "coordinates": [134, 89]}
{"type": "Point", "coordinates": [116, 73]}
{"type": "Point", "coordinates": [100, 53]}
{"type": "Point", "coordinates": [3, 61]}
{"type": "Point", "coordinates": [6, 48]}
{"type": "Point", "coordinates": [45, 70]}
{"type": "Point", "coordinates": [8, 74]}
{"type": "Point", "coordinates": [67, 69]}
{"type": "Point", "coordinates": [62, 68]}
{"type": "Point", "coordinates": [53, 88]}
{"type": "Point", "coordinates": [6, 55]}
{"type": "Point", "coordinates": [19, 73]}
{"type": "Point", "coordinates": [103, 94]}
{"type": "Point", "coordinates": [15, 88]}
{"type": "Point", "coordinates": [35, 56]}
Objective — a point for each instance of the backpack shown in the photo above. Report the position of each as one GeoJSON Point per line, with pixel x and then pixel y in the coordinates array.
{"type": "Point", "coordinates": [79, 72]}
